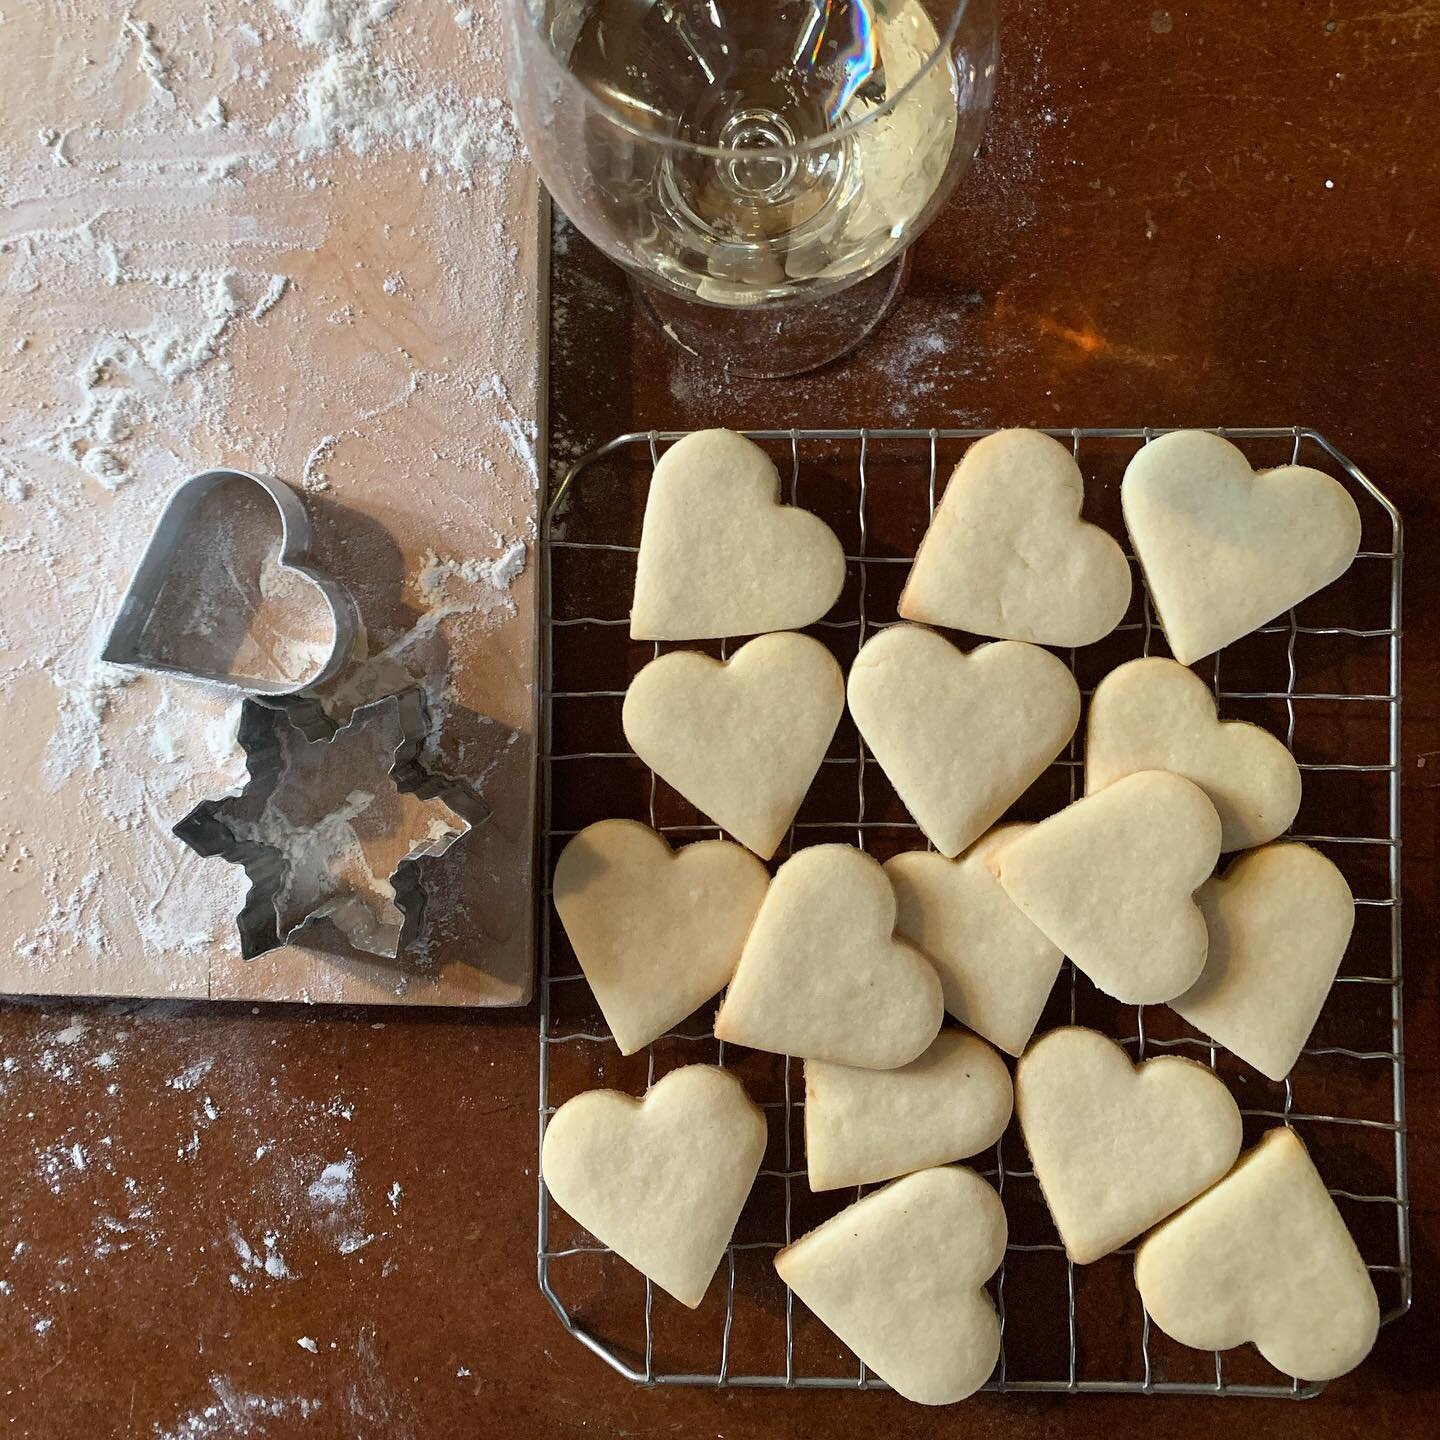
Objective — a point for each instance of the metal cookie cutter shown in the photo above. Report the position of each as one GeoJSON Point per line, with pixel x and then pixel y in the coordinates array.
{"type": "Point", "coordinates": [243, 828]}
{"type": "Point", "coordinates": [125, 645]}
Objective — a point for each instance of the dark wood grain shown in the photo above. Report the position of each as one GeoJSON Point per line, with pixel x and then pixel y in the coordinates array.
{"type": "Point", "coordinates": [1149, 238]}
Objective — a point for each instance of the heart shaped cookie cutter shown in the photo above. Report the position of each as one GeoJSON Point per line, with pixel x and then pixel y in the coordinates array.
{"type": "Point", "coordinates": [125, 645]}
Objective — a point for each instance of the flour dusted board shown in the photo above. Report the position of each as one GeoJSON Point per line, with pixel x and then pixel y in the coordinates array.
{"type": "Point", "coordinates": [302, 240]}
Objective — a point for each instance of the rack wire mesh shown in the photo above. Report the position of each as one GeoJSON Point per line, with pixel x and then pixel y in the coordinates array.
{"type": "Point", "coordinates": [1327, 677]}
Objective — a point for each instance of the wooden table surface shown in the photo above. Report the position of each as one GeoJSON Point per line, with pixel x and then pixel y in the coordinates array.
{"type": "Point", "coordinates": [1228, 215]}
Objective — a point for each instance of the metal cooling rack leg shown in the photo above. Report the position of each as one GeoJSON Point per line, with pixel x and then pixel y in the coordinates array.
{"type": "Point", "coordinates": [789, 1235]}
{"type": "Point", "coordinates": [859, 644]}
{"type": "Point", "coordinates": [789, 1062]}
{"type": "Point", "coordinates": [859, 740]}
{"type": "Point", "coordinates": [1004, 1259]}
{"type": "Point", "coordinates": [1074, 777]}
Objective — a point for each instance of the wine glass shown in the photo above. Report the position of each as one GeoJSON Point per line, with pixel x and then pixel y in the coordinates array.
{"type": "Point", "coordinates": [757, 166]}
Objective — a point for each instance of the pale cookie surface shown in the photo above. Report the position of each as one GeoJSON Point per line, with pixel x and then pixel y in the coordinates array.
{"type": "Point", "coordinates": [720, 555]}
{"type": "Point", "coordinates": [662, 1180]}
{"type": "Point", "coordinates": [657, 931]}
{"type": "Point", "coordinates": [1224, 549]}
{"type": "Point", "coordinates": [1155, 714]}
{"type": "Point", "coordinates": [1111, 880]}
{"type": "Point", "coordinates": [899, 1276]}
{"type": "Point", "coordinates": [822, 975]}
{"type": "Point", "coordinates": [960, 736]}
{"type": "Point", "coordinates": [1279, 921]}
{"type": "Point", "coordinates": [996, 969]}
{"type": "Point", "coordinates": [1008, 555]}
{"type": "Point", "coordinates": [741, 739]}
{"type": "Point", "coordinates": [1264, 1257]}
{"type": "Point", "coordinates": [868, 1125]}
{"type": "Point", "coordinates": [1117, 1147]}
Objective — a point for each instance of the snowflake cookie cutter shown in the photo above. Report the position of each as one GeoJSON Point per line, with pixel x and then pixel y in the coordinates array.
{"type": "Point", "coordinates": [126, 643]}
{"type": "Point", "coordinates": [243, 827]}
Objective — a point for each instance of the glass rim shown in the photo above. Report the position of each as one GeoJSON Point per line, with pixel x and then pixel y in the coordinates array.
{"type": "Point", "coordinates": [525, 13]}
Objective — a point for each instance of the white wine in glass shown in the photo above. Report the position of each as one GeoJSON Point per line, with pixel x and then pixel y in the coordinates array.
{"type": "Point", "coordinates": [746, 159]}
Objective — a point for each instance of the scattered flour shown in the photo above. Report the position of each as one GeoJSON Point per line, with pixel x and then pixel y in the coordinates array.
{"type": "Point", "coordinates": [174, 351]}
{"type": "Point", "coordinates": [237, 1412]}
{"type": "Point", "coordinates": [356, 101]}
{"type": "Point", "coordinates": [12, 487]}
{"type": "Point", "coordinates": [519, 430]}
{"type": "Point", "coordinates": [58, 1164]}
{"type": "Point", "coordinates": [54, 141]}
{"type": "Point", "coordinates": [271, 298]}
{"type": "Point", "coordinates": [433, 583]}
{"type": "Point", "coordinates": [127, 383]}
{"type": "Point", "coordinates": [333, 1194]}
{"type": "Point", "coordinates": [334, 1188]}
{"type": "Point", "coordinates": [267, 1260]}
{"type": "Point", "coordinates": [275, 1266]}
{"type": "Point", "coordinates": [311, 476]}
{"type": "Point", "coordinates": [333, 22]}
{"type": "Point", "coordinates": [153, 65]}
{"type": "Point", "coordinates": [192, 1075]}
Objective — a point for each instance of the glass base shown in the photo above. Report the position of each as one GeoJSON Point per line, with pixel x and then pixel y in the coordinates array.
{"type": "Point", "coordinates": [767, 344]}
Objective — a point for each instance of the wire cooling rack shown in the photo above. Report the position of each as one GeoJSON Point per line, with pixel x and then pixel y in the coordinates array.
{"type": "Point", "coordinates": [1327, 677]}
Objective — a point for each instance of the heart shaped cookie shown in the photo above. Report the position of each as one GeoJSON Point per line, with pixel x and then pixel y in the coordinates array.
{"type": "Point", "coordinates": [1265, 1257]}
{"type": "Point", "coordinates": [662, 1180]}
{"type": "Point", "coordinates": [1279, 921]}
{"type": "Point", "coordinates": [960, 736]}
{"type": "Point", "coordinates": [995, 967]}
{"type": "Point", "coordinates": [867, 1125]}
{"type": "Point", "coordinates": [1007, 553]}
{"type": "Point", "coordinates": [741, 739]}
{"type": "Point", "coordinates": [1111, 880]}
{"type": "Point", "coordinates": [1224, 549]}
{"type": "Point", "coordinates": [1154, 714]}
{"type": "Point", "coordinates": [822, 975]}
{"type": "Point", "coordinates": [720, 555]}
{"type": "Point", "coordinates": [657, 931]}
{"type": "Point", "coordinates": [1117, 1147]}
{"type": "Point", "coordinates": [899, 1276]}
